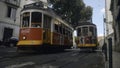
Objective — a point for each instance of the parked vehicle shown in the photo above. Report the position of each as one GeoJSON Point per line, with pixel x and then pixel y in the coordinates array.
{"type": "Point", "coordinates": [11, 42]}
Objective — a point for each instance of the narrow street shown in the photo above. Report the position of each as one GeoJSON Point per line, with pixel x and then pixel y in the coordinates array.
{"type": "Point", "coordinates": [67, 59]}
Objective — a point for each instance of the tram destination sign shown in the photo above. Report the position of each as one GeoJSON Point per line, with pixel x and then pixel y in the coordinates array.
{"type": "Point", "coordinates": [35, 5]}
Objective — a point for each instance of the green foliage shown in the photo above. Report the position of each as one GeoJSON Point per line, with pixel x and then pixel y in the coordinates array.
{"type": "Point", "coordinates": [86, 13]}
{"type": "Point", "coordinates": [71, 11]}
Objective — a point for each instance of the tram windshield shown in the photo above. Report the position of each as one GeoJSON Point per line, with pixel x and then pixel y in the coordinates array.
{"type": "Point", "coordinates": [36, 19]}
{"type": "Point", "coordinates": [26, 19]}
{"type": "Point", "coordinates": [84, 31]}
{"type": "Point", "coordinates": [91, 31]}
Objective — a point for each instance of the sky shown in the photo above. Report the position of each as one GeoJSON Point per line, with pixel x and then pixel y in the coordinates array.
{"type": "Point", "coordinates": [98, 13]}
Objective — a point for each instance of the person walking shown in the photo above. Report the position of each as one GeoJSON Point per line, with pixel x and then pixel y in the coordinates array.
{"type": "Point", "coordinates": [104, 50]}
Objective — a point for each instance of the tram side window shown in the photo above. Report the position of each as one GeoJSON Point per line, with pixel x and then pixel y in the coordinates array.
{"type": "Point", "coordinates": [26, 19]}
{"type": "Point", "coordinates": [66, 31]}
{"type": "Point", "coordinates": [36, 19]}
{"type": "Point", "coordinates": [79, 32]}
{"type": "Point", "coordinates": [69, 34]}
{"type": "Point", "coordinates": [95, 32]}
{"type": "Point", "coordinates": [56, 28]}
{"type": "Point", "coordinates": [61, 29]}
{"type": "Point", "coordinates": [47, 21]}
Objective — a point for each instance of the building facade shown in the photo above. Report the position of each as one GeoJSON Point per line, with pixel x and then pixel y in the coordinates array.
{"type": "Point", "coordinates": [115, 9]}
{"type": "Point", "coordinates": [9, 26]}
{"type": "Point", "coordinates": [108, 16]}
{"type": "Point", "coordinates": [10, 17]}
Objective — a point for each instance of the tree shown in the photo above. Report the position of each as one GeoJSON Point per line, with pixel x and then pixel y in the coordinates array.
{"type": "Point", "coordinates": [71, 11]}
{"type": "Point", "coordinates": [86, 13]}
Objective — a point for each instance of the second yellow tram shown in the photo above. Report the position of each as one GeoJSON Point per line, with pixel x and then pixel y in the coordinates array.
{"type": "Point", "coordinates": [86, 36]}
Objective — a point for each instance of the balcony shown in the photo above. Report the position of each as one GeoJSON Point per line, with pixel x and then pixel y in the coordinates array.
{"type": "Point", "coordinates": [13, 2]}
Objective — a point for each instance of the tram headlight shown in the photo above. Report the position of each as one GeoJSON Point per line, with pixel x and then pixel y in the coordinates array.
{"type": "Point", "coordinates": [23, 37]}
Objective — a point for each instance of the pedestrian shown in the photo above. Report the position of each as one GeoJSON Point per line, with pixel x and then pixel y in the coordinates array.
{"type": "Point", "coordinates": [104, 50]}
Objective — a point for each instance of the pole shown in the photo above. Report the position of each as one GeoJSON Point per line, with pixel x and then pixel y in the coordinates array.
{"type": "Point", "coordinates": [110, 52]}
{"type": "Point", "coordinates": [104, 47]}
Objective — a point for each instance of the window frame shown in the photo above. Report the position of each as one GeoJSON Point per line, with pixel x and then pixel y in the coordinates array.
{"type": "Point", "coordinates": [22, 16]}
{"type": "Point", "coordinates": [11, 12]}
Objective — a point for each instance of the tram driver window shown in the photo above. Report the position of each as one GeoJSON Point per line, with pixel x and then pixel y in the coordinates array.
{"type": "Point", "coordinates": [26, 18]}
{"type": "Point", "coordinates": [36, 19]}
{"type": "Point", "coordinates": [91, 30]}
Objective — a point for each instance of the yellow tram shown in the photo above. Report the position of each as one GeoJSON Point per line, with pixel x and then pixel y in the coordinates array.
{"type": "Point", "coordinates": [42, 28]}
{"type": "Point", "coordinates": [87, 36]}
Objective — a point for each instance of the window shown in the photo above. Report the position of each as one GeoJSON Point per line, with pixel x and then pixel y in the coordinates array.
{"type": "Point", "coordinates": [79, 32]}
{"type": "Point", "coordinates": [11, 12]}
{"type": "Point", "coordinates": [61, 29]}
{"type": "Point", "coordinates": [91, 31]}
{"type": "Point", "coordinates": [47, 21]}
{"type": "Point", "coordinates": [25, 19]}
{"type": "Point", "coordinates": [36, 19]}
{"type": "Point", "coordinates": [56, 26]}
{"type": "Point", "coordinates": [85, 31]}
{"type": "Point", "coordinates": [64, 30]}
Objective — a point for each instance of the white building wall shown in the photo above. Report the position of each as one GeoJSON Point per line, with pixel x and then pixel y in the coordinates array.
{"type": "Point", "coordinates": [2, 12]}
{"type": "Point", "coordinates": [6, 22]}
{"type": "Point", "coordinates": [109, 18]}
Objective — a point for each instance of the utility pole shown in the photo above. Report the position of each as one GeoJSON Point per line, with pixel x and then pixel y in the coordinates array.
{"type": "Point", "coordinates": [104, 47]}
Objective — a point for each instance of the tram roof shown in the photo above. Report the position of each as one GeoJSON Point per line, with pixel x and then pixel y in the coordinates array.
{"type": "Point", "coordinates": [86, 23]}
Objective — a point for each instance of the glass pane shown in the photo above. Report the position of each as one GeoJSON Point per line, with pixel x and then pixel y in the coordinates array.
{"type": "Point", "coordinates": [91, 31]}
{"type": "Point", "coordinates": [25, 20]}
{"type": "Point", "coordinates": [36, 19]}
{"type": "Point", "coordinates": [47, 21]}
{"type": "Point", "coordinates": [84, 31]}
{"type": "Point", "coordinates": [79, 32]}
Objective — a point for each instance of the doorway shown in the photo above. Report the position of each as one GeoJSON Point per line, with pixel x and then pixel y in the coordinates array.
{"type": "Point", "coordinates": [7, 34]}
